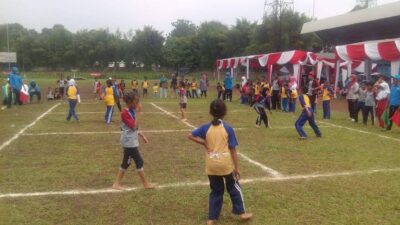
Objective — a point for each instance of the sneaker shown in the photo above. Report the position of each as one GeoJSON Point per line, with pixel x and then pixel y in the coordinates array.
{"type": "Point", "coordinates": [302, 138]}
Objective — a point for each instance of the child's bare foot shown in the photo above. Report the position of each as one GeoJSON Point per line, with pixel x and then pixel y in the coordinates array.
{"type": "Point", "coordinates": [246, 216]}
{"type": "Point", "coordinates": [210, 222]}
{"type": "Point", "coordinates": [117, 187]}
{"type": "Point", "coordinates": [150, 186]}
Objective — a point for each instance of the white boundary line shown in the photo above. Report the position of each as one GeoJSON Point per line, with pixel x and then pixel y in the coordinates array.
{"type": "Point", "coordinates": [271, 171]}
{"type": "Point", "coordinates": [16, 136]}
{"type": "Point", "coordinates": [360, 131]}
{"type": "Point", "coordinates": [198, 183]}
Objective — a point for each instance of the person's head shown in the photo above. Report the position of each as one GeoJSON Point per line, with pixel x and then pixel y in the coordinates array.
{"type": "Point", "coordinates": [131, 100]}
{"type": "Point", "coordinates": [15, 70]}
{"type": "Point", "coordinates": [218, 83]}
{"type": "Point", "coordinates": [217, 111]}
{"type": "Point", "coordinates": [381, 77]}
{"type": "Point", "coordinates": [145, 78]}
{"type": "Point", "coordinates": [276, 77]}
{"type": "Point", "coordinates": [369, 85]}
{"type": "Point", "coordinates": [109, 83]}
{"type": "Point", "coordinates": [71, 82]}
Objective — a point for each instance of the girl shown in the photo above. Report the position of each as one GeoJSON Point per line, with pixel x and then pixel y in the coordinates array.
{"type": "Point", "coordinates": [145, 86]}
{"type": "Point", "coordinates": [182, 103]}
{"type": "Point", "coordinates": [369, 104]}
{"type": "Point", "coordinates": [220, 90]}
{"type": "Point", "coordinates": [194, 88]}
{"type": "Point", "coordinates": [73, 99]}
{"type": "Point", "coordinates": [109, 99]}
{"type": "Point", "coordinates": [285, 97]}
{"type": "Point", "coordinates": [306, 115]}
{"type": "Point", "coordinates": [259, 105]}
{"type": "Point", "coordinates": [293, 94]}
{"type": "Point", "coordinates": [222, 164]}
{"type": "Point", "coordinates": [203, 85]}
{"type": "Point", "coordinates": [130, 141]}
{"type": "Point", "coordinates": [327, 94]}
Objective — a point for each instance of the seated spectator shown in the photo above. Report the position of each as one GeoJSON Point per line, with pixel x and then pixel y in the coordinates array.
{"type": "Point", "coordinates": [50, 93]}
{"type": "Point", "coordinates": [34, 89]}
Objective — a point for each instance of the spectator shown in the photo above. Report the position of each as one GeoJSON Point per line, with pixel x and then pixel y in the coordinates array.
{"type": "Point", "coordinates": [352, 97]}
{"type": "Point", "coordinates": [276, 88]}
{"type": "Point", "coordinates": [16, 84]}
{"type": "Point", "coordinates": [228, 85]}
{"type": "Point", "coordinates": [6, 94]}
{"type": "Point", "coordinates": [50, 93]}
{"type": "Point", "coordinates": [203, 85]}
{"type": "Point", "coordinates": [383, 92]}
{"type": "Point", "coordinates": [34, 89]}
{"type": "Point", "coordinates": [394, 100]}
{"type": "Point", "coordinates": [163, 87]}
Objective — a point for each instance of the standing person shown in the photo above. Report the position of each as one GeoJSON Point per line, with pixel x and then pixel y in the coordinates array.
{"type": "Point", "coordinates": [62, 83]}
{"type": "Point", "coordinates": [352, 97]}
{"type": "Point", "coordinates": [182, 103]}
{"type": "Point", "coordinates": [130, 142]}
{"type": "Point", "coordinates": [394, 100]}
{"type": "Point", "coordinates": [194, 88]}
{"type": "Point", "coordinates": [259, 105]}
{"type": "Point", "coordinates": [24, 94]}
{"type": "Point", "coordinates": [228, 85]}
{"type": "Point", "coordinates": [285, 97]}
{"type": "Point", "coordinates": [6, 93]}
{"type": "Point", "coordinates": [203, 85]}
{"type": "Point", "coordinates": [145, 86]}
{"type": "Point", "coordinates": [327, 94]}
{"type": "Point", "coordinates": [313, 88]}
{"type": "Point", "coordinates": [109, 100]}
{"type": "Point", "coordinates": [134, 86]}
{"type": "Point", "coordinates": [73, 99]}
{"type": "Point", "coordinates": [220, 91]}
{"type": "Point", "coordinates": [276, 89]}
{"type": "Point", "coordinates": [95, 84]}
{"type": "Point", "coordinates": [117, 94]}
{"type": "Point", "coordinates": [122, 87]}
{"type": "Point", "coordinates": [292, 94]}
{"type": "Point", "coordinates": [16, 84]}
{"type": "Point", "coordinates": [155, 90]}
{"type": "Point", "coordinates": [362, 97]}
{"type": "Point", "coordinates": [383, 92]}
{"type": "Point", "coordinates": [369, 104]}
{"type": "Point", "coordinates": [187, 89]}
{"type": "Point", "coordinates": [222, 164]}
{"type": "Point", "coordinates": [174, 85]}
{"type": "Point", "coordinates": [306, 115]}
{"type": "Point", "coordinates": [34, 89]}
{"type": "Point", "coordinates": [163, 87]}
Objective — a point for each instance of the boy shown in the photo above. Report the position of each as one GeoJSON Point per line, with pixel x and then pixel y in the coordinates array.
{"type": "Point", "coordinates": [285, 97]}
{"type": "Point", "coordinates": [306, 115]}
{"type": "Point", "coordinates": [155, 90]}
{"type": "Point", "coordinates": [182, 103]}
{"type": "Point", "coordinates": [130, 141]}
{"type": "Point", "coordinates": [194, 88]}
{"type": "Point", "coordinates": [327, 94]}
{"type": "Point", "coordinates": [145, 85]}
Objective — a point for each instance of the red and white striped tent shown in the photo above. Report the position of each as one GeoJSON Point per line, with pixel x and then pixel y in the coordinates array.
{"type": "Point", "coordinates": [296, 58]}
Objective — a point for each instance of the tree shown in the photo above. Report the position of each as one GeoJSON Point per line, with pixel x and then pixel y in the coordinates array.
{"type": "Point", "coordinates": [183, 28]}
{"type": "Point", "coordinates": [147, 44]}
{"type": "Point", "coordinates": [239, 37]}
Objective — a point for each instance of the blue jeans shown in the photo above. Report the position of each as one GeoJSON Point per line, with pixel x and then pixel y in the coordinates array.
{"type": "Point", "coordinates": [217, 195]}
{"type": "Point", "coordinates": [326, 107]}
{"type": "Point", "coordinates": [285, 104]}
{"type": "Point", "coordinates": [292, 105]}
{"type": "Point", "coordinates": [302, 120]}
{"type": "Point", "coordinates": [71, 113]}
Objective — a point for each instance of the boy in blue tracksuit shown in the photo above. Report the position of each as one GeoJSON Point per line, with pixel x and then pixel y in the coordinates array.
{"type": "Point", "coordinates": [228, 85]}
{"type": "Point", "coordinates": [307, 114]}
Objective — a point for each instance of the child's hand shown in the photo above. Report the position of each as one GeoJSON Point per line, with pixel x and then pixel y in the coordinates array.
{"type": "Point", "coordinates": [146, 141]}
{"type": "Point", "coordinates": [236, 173]}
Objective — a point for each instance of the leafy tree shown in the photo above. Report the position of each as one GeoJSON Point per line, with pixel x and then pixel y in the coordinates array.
{"type": "Point", "coordinates": [183, 28]}
{"type": "Point", "coordinates": [147, 44]}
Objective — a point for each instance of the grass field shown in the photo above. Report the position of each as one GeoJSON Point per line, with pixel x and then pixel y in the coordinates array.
{"type": "Point", "coordinates": [54, 172]}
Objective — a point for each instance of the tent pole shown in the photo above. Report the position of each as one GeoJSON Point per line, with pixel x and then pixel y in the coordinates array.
{"type": "Point", "coordinates": [247, 68]}
{"type": "Point", "coordinates": [367, 69]}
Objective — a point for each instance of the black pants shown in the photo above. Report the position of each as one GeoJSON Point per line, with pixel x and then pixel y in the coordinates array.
{"type": "Point", "coordinates": [203, 92]}
{"type": "Point", "coordinates": [188, 94]}
{"type": "Point", "coordinates": [359, 108]}
{"type": "Point", "coordinates": [313, 98]}
{"type": "Point", "coordinates": [262, 115]}
{"type": "Point", "coordinates": [117, 101]}
{"type": "Point", "coordinates": [129, 154]}
{"type": "Point", "coordinates": [17, 100]}
{"type": "Point", "coordinates": [194, 93]}
{"type": "Point", "coordinates": [368, 110]}
{"type": "Point", "coordinates": [228, 94]}
{"type": "Point", "coordinates": [276, 104]}
{"type": "Point", "coordinates": [392, 110]}
{"type": "Point", "coordinates": [39, 96]}
{"type": "Point", "coordinates": [352, 107]}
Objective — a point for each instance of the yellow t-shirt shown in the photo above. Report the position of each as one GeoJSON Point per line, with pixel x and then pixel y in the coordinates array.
{"type": "Point", "coordinates": [109, 96]}
{"type": "Point", "coordinates": [326, 95]}
{"type": "Point", "coordinates": [134, 84]}
{"type": "Point", "coordinates": [72, 92]}
{"type": "Point", "coordinates": [194, 86]}
{"type": "Point", "coordinates": [283, 93]}
{"type": "Point", "coordinates": [257, 90]}
{"type": "Point", "coordinates": [155, 89]}
{"type": "Point", "coordinates": [145, 84]}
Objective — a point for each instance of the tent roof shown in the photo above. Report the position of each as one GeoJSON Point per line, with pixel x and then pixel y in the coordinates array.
{"type": "Point", "coordinates": [376, 23]}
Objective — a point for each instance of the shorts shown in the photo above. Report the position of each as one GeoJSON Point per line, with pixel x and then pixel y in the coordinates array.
{"type": "Point", "coordinates": [183, 105]}
{"type": "Point", "coordinates": [129, 154]}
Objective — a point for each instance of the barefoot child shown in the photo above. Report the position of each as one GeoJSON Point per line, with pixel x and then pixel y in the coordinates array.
{"type": "Point", "coordinates": [130, 141]}
{"type": "Point", "coordinates": [182, 102]}
{"type": "Point", "coordinates": [221, 162]}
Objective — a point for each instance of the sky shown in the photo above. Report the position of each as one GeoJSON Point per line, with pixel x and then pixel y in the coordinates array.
{"type": "Point", "coordinates": [134, 14]}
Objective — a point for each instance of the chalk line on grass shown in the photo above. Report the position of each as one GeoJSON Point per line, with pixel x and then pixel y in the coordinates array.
{"type": "Point", "coordinates": [16, 136]}
{"type": "Point", "coordinates": [271, 171]}
{"type": "Point", "coordinates": [360, 131]}
{"type": "Point", "coordinates": [199, 183]}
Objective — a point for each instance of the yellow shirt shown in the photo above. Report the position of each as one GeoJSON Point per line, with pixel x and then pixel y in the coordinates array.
{"type": "Point", "coordinates": [194, 86]}
{"type": "Point", "coordinates": [155, 89]}
{"type": "Point", "coordinates": [134, 84]}
{"type": "Point", "coordinates": [294, 94]}
{"type": "Point", "coordinates": [145, 84]}
{"type": "Point", "coordinates": [257, 90]}
{"type": "Point", "coordinates": [283, 93]}
{"type": "Point", "coordinates": [326, 95]}
{"type": "Point", "coordinates": [72, 92]}
{"type": "Point", "coordinates": [109, 96]}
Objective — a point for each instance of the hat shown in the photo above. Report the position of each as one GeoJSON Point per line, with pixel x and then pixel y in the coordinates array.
{"type": "Point", "coordinates": [397, 77]}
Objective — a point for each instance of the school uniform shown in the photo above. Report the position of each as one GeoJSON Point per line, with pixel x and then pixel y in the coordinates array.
{"type": "Point", "coordinates": [293, 100]}
{"type": "Point", "coordinates": [109, 100]}
{"type": "Point", "coordinates": [145, 85]}
{"type": "Point", "coordinates": [194, 89]}
{"type": "Point", "coordinates": [285, 100]}
{"type": "Point", "coordinates": [72, 96]}
{"type": "Point", "coordinates": [305, 104]}
{"type": "Point", "coordinates": [394, 103]}
{"type": "Point", "coordinates": [259, 106]}
{"type": "Point", "coordinates": [220, 140]}
{"type": "Point", "coordinates": [369, 108]}
{"type": "Point", "coordinates": [326, 102]}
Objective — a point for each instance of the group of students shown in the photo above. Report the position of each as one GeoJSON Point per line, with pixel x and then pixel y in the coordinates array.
{"type": "Point", "coordinates": [376, 99]}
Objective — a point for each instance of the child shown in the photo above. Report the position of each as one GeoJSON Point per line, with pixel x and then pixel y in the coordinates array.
{"type": "Point", "coordinates": [134, 85]}
{"type": "Point", "coordinates": [285, 97]}
{"type": "Point", "coordinates": [109, 99]}
{"type": "Point", "coordinates": [220, 90]}
{"type": "Point", "coordinates": [145, 85]}
{"type": "Point", "coordinates": [292, 94]}
{"type": "Point", "coordinates": [73, 99]}
{"type": "Point", "coordinates": [369, 107]}
{"type": "Point", "coordinates": [221, 162]}
{"type": "Point", "coordinates": [306, 115]}
{"type": "Point", "coordinates": [130, 141]}
{"type": "Point", "coordinates": [362, 95]}
{"type": "Point", "coordinates": [266, 93]}
{"type": "Point", "coordinates": [187, 88]}
{"type": "Point", "coordinates": [155, 90]}
{"type": "Point", "coordinates": [327, 94]}
{"type": "Point", "coordinates": [194, 88]}
{"type": "Point", "coordinates": [50, 93]}
{"type": "Point", "coordinates": [95, 84]}
{"type": "Point", "coordinates": [259, 105]}
{"type": "Point", "coordinates": [182, 103]}
{"type": "Point", "coordinates": [6, 93]}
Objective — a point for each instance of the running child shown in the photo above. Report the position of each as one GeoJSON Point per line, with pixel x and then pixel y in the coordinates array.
{"type": "Point", "coordinates": [130, 141]}
{"type": "Point", "coordinates": [222, 165]}
{"type": "Point", "coordinates": [306, 115]}
{"type": "Point", "coordinates": [327, 94]}
{"type": "Point", "coordinates": [109, 100]}
{"type": "Point", "coordinates": [182, 103]}
{"type": "Point", "coordinates": [259, 105]}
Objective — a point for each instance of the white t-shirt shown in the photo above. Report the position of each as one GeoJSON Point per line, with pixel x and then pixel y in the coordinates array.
{"type": "Point", "coordinates": [61, 83]}
{"type": "Point", "coordinates": [353, 91]}
{"type": "Point", "coordinates": [383, 91]}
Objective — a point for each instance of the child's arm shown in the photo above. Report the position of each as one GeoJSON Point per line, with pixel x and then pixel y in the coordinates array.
{"type": "Point", "coordinates": [198, 140]}
{"type": "Point", "coordinates": [235, 163]}
{"type": "Point", "coordinates": [144, 138]}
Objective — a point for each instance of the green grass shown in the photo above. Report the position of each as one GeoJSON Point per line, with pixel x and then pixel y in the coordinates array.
{"type": "Point", "coordinates": [88, 161]}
